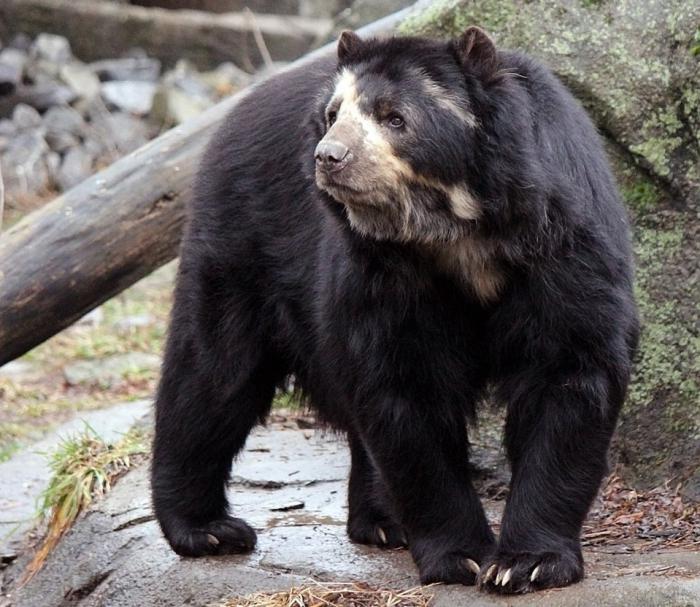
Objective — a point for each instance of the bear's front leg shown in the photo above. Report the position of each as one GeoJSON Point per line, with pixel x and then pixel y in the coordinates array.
{"type": "Point", "coordinates": [557, 436]}
{"type": "Point", "coordinates": [218, 381]}
{"type": "Point", "coordinates": [421, 452]}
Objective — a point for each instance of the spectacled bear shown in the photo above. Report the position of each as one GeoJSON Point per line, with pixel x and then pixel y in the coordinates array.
{"type": "Point", "coordinates": [405, 229]}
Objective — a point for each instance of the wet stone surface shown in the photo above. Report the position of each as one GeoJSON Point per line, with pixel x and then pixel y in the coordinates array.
{"type": "Point", "coordinates": [290, 484]}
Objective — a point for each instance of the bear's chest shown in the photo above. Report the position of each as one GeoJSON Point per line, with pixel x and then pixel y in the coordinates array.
{"type": "Point", "coordinates": [474, 265]}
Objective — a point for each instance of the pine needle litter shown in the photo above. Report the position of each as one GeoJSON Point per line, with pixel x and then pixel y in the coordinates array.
{"type": "Point", "coordinates": [334, 595]}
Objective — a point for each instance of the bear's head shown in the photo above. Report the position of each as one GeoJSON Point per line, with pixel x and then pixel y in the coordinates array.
{"type": "Point", "coordinates": [399, 131]}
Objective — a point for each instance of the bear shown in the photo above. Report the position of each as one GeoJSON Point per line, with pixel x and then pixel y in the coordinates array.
{"type": "Point", "coordinates": [410, 229]}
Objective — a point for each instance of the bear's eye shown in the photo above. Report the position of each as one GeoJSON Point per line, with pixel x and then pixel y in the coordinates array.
{"type": "Point", "coordinates": [332, 117]}
{"type": "Point", "coordinates": [395, 121]}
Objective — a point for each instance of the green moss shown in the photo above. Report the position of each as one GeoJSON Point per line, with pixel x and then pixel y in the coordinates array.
{"type": "Point", "coordinates": [640, 195]}
{"type": "Point", "coordinates": [669, 360]}
{"type": "Point", "coordinates": [657, 152]}
{"type": "Point", "coordinates": [695, 44]}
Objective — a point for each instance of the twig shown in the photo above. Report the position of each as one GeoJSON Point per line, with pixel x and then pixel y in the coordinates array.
{"type": "Point", "coordinates": [258, 37]}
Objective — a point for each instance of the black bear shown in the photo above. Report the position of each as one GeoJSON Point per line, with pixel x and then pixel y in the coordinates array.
{"type": "Point", "coordinates": [405, 229]}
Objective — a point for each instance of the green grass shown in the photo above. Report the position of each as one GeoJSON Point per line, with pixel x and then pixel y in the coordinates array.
{"type": "Point", "coordinates": [83, 468]}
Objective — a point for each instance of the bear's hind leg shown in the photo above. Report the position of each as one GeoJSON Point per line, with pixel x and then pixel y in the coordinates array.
{"type": "Point", "coordinates": [371, 519]}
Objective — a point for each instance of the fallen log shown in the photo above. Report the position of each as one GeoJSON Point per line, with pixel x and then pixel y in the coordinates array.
{"type": "Point", "coordinates": [97, 30]}
{"type": "Point", "coordinates": [97, 239]}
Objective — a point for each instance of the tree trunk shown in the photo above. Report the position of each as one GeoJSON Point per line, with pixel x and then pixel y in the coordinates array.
{"type": "Point", "coordinates": [636, 68]}
{"type": "Point", "coordinates": [98, 30]}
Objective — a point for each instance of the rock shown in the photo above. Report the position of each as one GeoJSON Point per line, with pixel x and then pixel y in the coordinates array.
{"type": "Point", "coordinates": [18, 370]}
{"type": "Point", "coordinates": [52, 48]}
{"type": "Point", "coordinates": [226, 79]}
{"type": "Point", "coordinates": [15, 58]}
{"type": "Point", "coordinates": [64, 119]}
{"type": "Point", "coordinates": [21, 42]}
{"type": "Point", "coordinates": [45, 95]}
{"type": "Point", "coordinates": [361, 12]}
{"type": "Point", "coordinates": [10, 75]}
{"type": "Point", "coordinates": [24, 166]}
{"type": "Point", "coordinates": [116, 556]}
{"type": "Point", "coordinates": [173, 106]}
{"type": "Point", "coordinates": [182, 95]}
{"type": "Point", "coordinates": [145, 69]}
{"type": "Point", "coordinates": [60, 141]}
{"type": "Point", "coordinates": [81, 79]}
{"type": "Point", "coordinates": [134, 322]}
{"type": "Point", "coordinates": [8, 130]}
{"type": "Point", "coordinates": [26, 474]}
{"type": "Point", "coordinates": [128, 132]}
{"type": "Point", "coordinates": [130, 95]}
{"type": "Point", "coordinates": [26, 117]}
{"type": "Point", "coordinates": [92, 319]}
{"type": "Point", "coordinates": [110, 371]}
{"type": "Point", "coordinates": [75, 168]}
{"type": "Point", "coordinates": [64, 127]}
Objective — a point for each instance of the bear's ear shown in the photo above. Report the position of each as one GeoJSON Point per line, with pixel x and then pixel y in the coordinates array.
{"type": "Point", "coordinates": [349, 43]}
{"type": "Point", "coordinates": [477, 53]}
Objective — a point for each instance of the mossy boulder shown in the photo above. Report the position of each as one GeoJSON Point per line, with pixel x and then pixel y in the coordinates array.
{"type": "Point", "coordinates": [636, 68]}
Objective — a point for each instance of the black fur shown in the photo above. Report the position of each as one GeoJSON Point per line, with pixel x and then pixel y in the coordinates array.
{"type": "Point", "coordinates": [274, 281]}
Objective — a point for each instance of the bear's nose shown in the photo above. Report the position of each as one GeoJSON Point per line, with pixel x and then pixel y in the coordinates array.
{"type": "Point", "coordinates": [331, 155]}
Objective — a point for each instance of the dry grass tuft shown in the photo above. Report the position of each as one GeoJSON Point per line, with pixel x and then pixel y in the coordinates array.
{"type": "Point", "coordinates": [83, 468]}
{"type": "Point", "coordinates": [334, 595]}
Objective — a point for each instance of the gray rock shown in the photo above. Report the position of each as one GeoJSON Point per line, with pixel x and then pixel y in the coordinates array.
{"type": "Point", "coordinates": [60, 141]}
{"type": "Point", "coordinates": [130, 95]}
{"type": "Point", "coordinates": [81, 79]}
{"type": "Point", "coordinates": [19, 370]}
{"type": "Point", "coordinates": [226, 78]}
{"type": "Point", "coordinates": [171, 105]}
{"type": "Point", "coordinates": [14, 57]}
{"type": "Point", "coordinates": [92, 319]}
{"type": "Point", "coordinates": [24, 165]}
{"type": "Point", "coordinates": [53, 166]}
{"type": "Point", "coordinates": [21, 42]}
{"type": "Point", "coordinates": [110, 371]}
{"type": "Point", "coordinates": [10, 77]}
{"type": "Point", "coordinates": [64, 127]}
{"type": "Point", "coordinates": [26, 117]}
{"type": "Point", "coordinates": [143, 69]}
{"type": "Point", "coordinates": [115, 555]}
{"type": "Point", "coordinates": [12, 63]}
{"type": "Point", "coordinates": [45, 95]}
{"type": "Point", "coordinates": [52, 48]}
{"type": "Point", "coordinates": [64, 119]}
{"type": "Point", "coordinates": [8, 130]}
{"type": "Point", "coordinates": [75, 168]}
{"type": "Point", "coordinates": [27, 473]}
{"type": "Point", "coordinates": [132, 322]}
{"type": "Point", "coordinates": [361, 12]}
{"type": "Point", "coordinates": [128, 132]}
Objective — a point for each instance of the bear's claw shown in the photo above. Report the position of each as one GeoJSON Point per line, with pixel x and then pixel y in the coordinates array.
{"type": "Point", "coordinates": [527, 572]}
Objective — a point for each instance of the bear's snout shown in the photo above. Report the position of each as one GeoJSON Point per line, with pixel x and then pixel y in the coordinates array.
{"type": "Point", "coordinates": [331, 155]}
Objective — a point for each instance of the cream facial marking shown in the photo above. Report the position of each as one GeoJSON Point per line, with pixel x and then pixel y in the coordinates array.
{"type": "Point", "coordinates": [388, 170]}
{"type": "Point", "coordinates": [445, 98]}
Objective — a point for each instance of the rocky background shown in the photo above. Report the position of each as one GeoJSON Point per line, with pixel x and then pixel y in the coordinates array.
{"type": "Point", "coordinates": [68, 108]}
